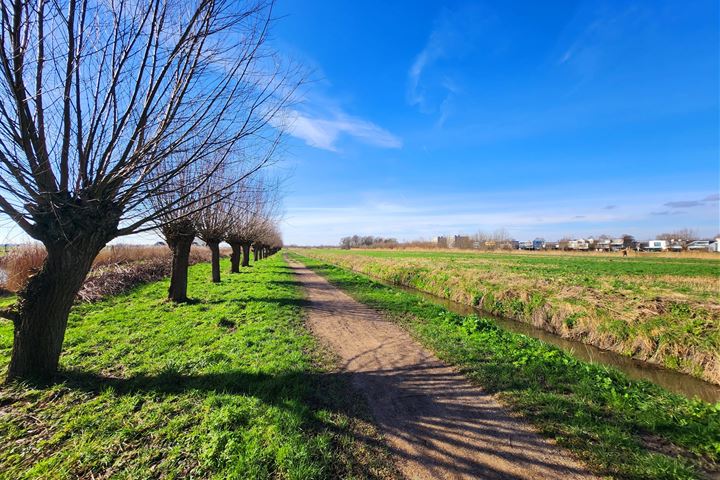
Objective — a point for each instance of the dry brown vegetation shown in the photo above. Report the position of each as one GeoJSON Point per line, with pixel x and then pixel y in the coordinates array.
{"type": "Point", "coordinates": [116, 268]}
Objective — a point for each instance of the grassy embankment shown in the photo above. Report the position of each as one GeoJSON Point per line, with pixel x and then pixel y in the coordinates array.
{"type": "Point", "coordinates": [228, 385]}
{"type": "Point", "coordinates": [619, 427]}
{"type": "Point", "coordinates": [661, 310]}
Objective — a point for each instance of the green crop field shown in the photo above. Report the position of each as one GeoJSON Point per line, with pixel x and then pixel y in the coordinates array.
{"type": "Point", "coordinates": [229, 385]}
{"type": "Point", "coordinates": [619, 427]}
{"type": "Point", "coordinates": [658, 309]}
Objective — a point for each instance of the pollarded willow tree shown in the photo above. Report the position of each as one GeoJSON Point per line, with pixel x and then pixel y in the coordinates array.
{"type": "Point", "coordinates": [176, 225]}
{"type": "Point", "coordinates": [256, 204]}
{"type": "Point", "coordinates": [269, 240]}
{"type": "Point", "coordinates": [102, 105]}
{"type": "Point", "coordinates": [207, 184]}
{"type": "Point", "coordinates": [212, 224]}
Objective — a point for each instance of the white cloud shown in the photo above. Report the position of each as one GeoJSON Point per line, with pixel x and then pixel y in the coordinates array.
{"type": "Point", "coordinates": [324, 132]}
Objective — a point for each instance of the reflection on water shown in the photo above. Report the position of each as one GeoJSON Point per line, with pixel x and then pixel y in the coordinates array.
{"type": "Point", "coordinates": [637, 369]}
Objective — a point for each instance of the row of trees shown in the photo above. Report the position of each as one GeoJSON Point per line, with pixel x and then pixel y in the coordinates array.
{"type": "Point", "coordinates": [366, 241]}
{"type": "Point", "coordinates": [682, 236]}
{"type": "Point", "coordinates": [242, 214]}
{"type": "Point", "coordinates": [123, 117]}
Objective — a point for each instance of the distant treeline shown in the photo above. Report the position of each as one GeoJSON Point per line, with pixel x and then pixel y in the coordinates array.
{"type": "Point", "coordinates": [367, 241]}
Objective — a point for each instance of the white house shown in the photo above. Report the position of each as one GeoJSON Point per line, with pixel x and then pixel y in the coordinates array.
{"type": "Point", "coordinates": [603, 245]}
{"type": "Point", "coordinates": [617, 244]}
{"type": "Point", "coordinates": [657, 246]}
{"type": "Point", "coordinates": [699, 245]}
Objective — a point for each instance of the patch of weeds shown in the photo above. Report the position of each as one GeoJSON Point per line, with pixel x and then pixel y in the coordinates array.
{"type": "Point", "coordinates": [572, 319]}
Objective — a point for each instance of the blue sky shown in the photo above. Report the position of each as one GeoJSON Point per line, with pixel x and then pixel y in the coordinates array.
{"type": "Point", "coordinates": [543, 118]}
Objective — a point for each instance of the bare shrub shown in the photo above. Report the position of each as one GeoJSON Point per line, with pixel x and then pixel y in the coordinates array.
{"type": "Point", "coordinates": [114, 254]}
{"type": "Point", "coordinates": [22, 262]}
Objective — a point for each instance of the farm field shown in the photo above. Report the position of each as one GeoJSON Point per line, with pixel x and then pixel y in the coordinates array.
{"type": "Point", "coordinates": [658, 309]}
{"type": "Point", "coordinates": [620, 428]}
{"type": "Point", "coordinates": [227, 385]}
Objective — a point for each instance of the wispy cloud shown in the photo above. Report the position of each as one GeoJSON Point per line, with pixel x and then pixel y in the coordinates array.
{"type": "Point", "coordinates": [429, 54]}
{"type": "Point", "coordinates": [666, 212]}
{"type": "Point", "coordinates": [684, 204]}
{"type": "Point", "coordinates": [610, 207]}
{"type": "Point", "coordinates": [693, 203]}
{"type": "Point", "coordinates": [595, 34]}
{"type": "Point", "coordinates": [324, 132]}
{"type": "Point", "coordinates": [454, 34]}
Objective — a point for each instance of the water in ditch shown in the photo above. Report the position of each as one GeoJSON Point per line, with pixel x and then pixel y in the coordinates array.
{"type": "Point", "coordinates": [637, 369]}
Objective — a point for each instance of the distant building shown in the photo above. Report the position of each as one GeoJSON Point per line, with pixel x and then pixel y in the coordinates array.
{"type": "Point", "coordinates": [698, 245]}
{"type": "Point", "coordinates": [526, 245]}
{"type": "Point", "coordinates": [714, 246]}
{"type": "Point", "coordinates": [441, 242]}
{"type": "Point", "coordinates": [676, 247]}
{"type": "Point", "coordinates": [579, 244]}
{"type": "Point", "coordinates": [617, 244]}
{"type": "Point", "coordinates": [603, 245]}
{"type": "Point", "coordinates": [656, 246]}
{"type": "Point", "coordinates": [462, 241]}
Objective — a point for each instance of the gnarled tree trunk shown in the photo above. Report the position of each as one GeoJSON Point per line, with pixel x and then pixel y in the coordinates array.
{"type": "Point", "coordinates": [179, 237]}
{"type": "Point", "coordinates": [256, 253]}
{"type": "Point", "coordinates": [246, 255]}
{"type": "Point", "coordinates": [44, 305]}
{"type": "Point", "coordinates": [73, 232]}
{"type": "Point", "coordinates": [214, 246]}
{"type": "Point", "coordinates": [235, 257]}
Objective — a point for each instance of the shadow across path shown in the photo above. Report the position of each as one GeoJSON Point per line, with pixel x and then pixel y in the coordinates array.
{"type": "Point", "coordinates": [437, 424]}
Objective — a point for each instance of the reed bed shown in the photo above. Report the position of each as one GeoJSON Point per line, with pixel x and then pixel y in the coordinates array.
{"type": "Point", "coordinates": [116, 269]}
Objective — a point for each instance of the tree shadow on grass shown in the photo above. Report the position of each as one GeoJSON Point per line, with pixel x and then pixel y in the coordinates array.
{"type": "Point", "coordinates": [285, 283]}
{"type": "Point", "coordinates": [425, 413]}
{"type": "Point", "coordinates": [315, 399]}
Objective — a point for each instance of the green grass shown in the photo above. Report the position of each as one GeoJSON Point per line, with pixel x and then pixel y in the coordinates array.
{"type": "Point", "coordinates": [552, 265]}
{"type": "Point", "coordinates": [619, 427]}
{"type": "Point", "coordinates": [229, 385]}
{"type": "Point", "coordinates": [6, 301]}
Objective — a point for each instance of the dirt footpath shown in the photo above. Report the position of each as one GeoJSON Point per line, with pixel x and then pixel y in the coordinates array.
{"type": "Point", "coordinates": [437, 425]}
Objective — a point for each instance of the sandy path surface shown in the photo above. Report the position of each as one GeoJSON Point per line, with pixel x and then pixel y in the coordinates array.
{"type": "Point", "coordinates": [436, 424]}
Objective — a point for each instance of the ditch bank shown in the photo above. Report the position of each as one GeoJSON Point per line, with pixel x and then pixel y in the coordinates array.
{"type": "Point", "coordinates": [658, 331]}
{"type": "Point", "coordinates": [674, 381]}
